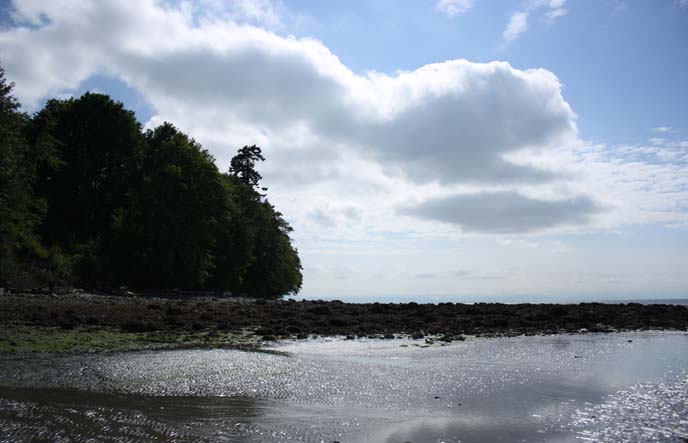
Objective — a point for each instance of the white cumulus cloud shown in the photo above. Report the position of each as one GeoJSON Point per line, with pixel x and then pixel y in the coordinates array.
{"type": "Point", "coordinates": [464, 148]}
{"type": "Point", "coordinates": [452, 121]}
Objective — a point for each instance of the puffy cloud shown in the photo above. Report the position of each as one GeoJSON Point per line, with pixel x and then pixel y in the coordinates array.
{"type": "Point", "coordinates": [457, 120]}
{"type": "Point", "coordinates": [453, 121]}
{"type": "Point", "coordinates": [483, 146]}
{"type": "Point", "coordinates": [504, 212]}
{"type": "Point", "coordinates": [454, 7]}
{"type": "Point", "coordinates": [373, 141]}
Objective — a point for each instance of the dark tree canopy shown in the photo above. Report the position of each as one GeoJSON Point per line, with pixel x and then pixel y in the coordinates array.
{"type": "Point", "coordinates": [19, 211]}
{"type": "Point", "coordinates": [96, 139]}
{"type": "Point", "coordinates": [243, 165]}
{"type": "Point", "coordinates": [87, 198]}
{"type": "Point", "coordinates": [172, 217]}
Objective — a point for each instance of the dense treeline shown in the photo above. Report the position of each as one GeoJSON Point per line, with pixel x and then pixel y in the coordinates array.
{"type": "Point", "coordinates": [87, 198]}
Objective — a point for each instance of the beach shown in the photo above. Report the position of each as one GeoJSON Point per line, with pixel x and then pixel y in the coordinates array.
{"type": "Point", "coordinates": [82, 321]}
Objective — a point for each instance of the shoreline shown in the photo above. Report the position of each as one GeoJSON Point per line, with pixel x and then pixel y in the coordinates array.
{"type": "Point", "coordinates": [85, 322]}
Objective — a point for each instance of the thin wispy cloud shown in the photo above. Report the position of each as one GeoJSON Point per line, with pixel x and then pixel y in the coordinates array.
{"type": "Point", "coordinates": [454, 7]}
{"type": "Point", "coordinates": [518, 23]}
{"type": "Point", "coordinates": [271, 14]}
{"type": "Point", "coordinates": [556, 9]}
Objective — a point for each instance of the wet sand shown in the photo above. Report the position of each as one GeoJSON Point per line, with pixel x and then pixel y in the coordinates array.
{"type": "Point", "coordinates": [454, 372]}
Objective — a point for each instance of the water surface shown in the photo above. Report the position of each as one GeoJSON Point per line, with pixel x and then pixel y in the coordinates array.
{"type": "Point", "coordinates": [566, 388]}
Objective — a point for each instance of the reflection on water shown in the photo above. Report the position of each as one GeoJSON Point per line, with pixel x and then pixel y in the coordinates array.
{"type": "Point", "coordinates": [614, 387]}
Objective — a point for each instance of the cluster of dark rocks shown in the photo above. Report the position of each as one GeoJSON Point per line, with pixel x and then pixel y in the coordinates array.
{"type": "Point", "coordinates": [290, 318]}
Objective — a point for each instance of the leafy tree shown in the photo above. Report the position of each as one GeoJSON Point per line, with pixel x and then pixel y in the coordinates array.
{"type": "Point", "coordinates": [235, 237]}
{"type": "Point", "coordinates": [270, 264]}
{"type": "Point", "coordinates": [18, 216]}
{"type": "Point", "coordinates": [96, 139]}
{"type": "Point", "coordinates": [87, 198]}
{"type": "Point", "coordinates": [24, 261]}
{"type": "Point", "coordinates": [84, 178]}
{"type": "Point", "coordinates": [243, 165]}
{"type": "Point", "coordinates": [275, 269]}
{"type": "Point", "coordinates": [166, 235]}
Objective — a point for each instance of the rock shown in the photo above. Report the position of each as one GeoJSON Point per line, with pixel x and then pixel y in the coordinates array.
{"type": "Point", "coordinates": [264, 331]}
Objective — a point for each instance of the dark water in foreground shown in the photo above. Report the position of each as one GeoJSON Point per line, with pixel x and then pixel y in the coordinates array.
{"type": "Point", "coordinates": [630, 387]}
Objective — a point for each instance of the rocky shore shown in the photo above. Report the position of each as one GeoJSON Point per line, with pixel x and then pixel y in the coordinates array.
{"type": "Point", "coordinates": [182, 320]}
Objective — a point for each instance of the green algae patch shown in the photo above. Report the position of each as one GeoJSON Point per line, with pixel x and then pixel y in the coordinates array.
{"type": "Point", "coordinates": [27, 339]}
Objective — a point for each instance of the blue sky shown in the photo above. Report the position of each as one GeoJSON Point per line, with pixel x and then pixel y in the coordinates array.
{"type": "Point", "coordinates": [440, 148]}
{"type": "Point", "coordinates": [623, 64]}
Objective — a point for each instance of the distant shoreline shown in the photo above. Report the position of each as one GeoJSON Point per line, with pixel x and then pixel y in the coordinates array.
{"type": "Point", "coordinates": [510, 300]}
{"type": "Point", "coordinates": [86, 322]}
{"type": "Point", "coordinates": [660, 301]}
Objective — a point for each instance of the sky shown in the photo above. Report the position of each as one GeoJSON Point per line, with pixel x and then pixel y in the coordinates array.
{"type": "Point", "coordinates": [426, 150]}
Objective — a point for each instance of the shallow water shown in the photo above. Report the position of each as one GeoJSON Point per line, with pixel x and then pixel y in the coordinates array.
{"type": "Point", "coordinates": [624, 387]}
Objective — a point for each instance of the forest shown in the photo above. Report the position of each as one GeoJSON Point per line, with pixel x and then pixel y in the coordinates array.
{"type": "Point", "coordinates": [89, 199]}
